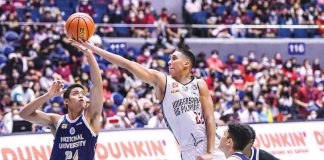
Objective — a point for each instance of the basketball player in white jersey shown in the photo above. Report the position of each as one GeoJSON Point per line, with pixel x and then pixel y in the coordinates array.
{"type": "Point", "coordinates": [76, 133]}
{"type": "Point", "coordinates": [186, 102]}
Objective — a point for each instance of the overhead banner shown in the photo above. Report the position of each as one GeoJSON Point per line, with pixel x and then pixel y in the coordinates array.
{"type": "Point", "coordinates": [287, 141]}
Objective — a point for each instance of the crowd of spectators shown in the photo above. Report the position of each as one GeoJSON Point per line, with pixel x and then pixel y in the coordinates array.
{"type": "Point", "coordinates": [212, 12]}
{"type": "Point", "coordinates": [245, 89]}
{"type": "Point", "coordinates": [255, 12]}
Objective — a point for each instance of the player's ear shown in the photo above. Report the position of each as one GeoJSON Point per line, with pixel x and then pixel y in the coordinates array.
{"type": "Point", "coordinates": [230, 141]}
{"type": "Point", "coordinates": [66, 101]}
{"type": "Point", "coordinates": [187, 63]}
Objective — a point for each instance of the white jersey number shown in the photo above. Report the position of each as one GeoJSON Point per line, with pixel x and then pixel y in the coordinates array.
{"type": "Point", "coordinates": [199, 118]}
{"type": "Point", "coordinates": [69, 155]}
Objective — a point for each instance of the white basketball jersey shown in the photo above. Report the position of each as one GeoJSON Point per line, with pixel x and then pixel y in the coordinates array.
{"type": "Point", "coordinates": [182, 112]}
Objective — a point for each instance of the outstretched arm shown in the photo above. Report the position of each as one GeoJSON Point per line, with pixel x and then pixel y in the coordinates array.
{"type": "Point", "coordinates": [93, 112]}
{"type": "Point", "coordinates": [30, 113]}
{"type": "Point", "coordinates": [208, 113]}
{"type": "Point", "coordinates": [149, 76]}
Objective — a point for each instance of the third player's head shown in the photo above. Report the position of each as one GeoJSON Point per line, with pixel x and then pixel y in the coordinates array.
{"type": "Point", "coordinates": [235, 138]}
{"type": "Point", "coordinates": [181, 61]}
{"type": "Point", "coordinates": [75, 97]}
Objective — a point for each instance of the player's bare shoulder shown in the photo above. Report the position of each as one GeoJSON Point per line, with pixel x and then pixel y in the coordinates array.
{"type": "Point", "coordinates": [202, 85]}
{"type": "Point", "coordinates": [55, 118]}
{"type": "Point", "coordinates": [159, 82]}
{"type": "Point", "coordinates": [159, 77]}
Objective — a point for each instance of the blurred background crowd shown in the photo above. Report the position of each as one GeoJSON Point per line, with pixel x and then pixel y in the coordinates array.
{"type": "Point", "coordinates": [243, 88]}
{"type": "Point", "coordinates": [205, 12]}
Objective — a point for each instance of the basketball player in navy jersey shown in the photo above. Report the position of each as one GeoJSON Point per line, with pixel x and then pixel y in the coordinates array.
{"type": "Point", "coordinates": [255, 153]}
{"type": "Point", "coordinates": [234, 140]}
{"type": "Point", "coordinates": [186, 103]}
{"type": "Point", "coordinates": [76, 133]}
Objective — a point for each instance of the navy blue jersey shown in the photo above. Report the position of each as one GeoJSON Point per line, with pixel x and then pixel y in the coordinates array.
{"type": "Point", "coordinates": [240, 156]}
{"type": "Point", "coordinates": [74, 140]}
{"type": "Point", "coordinates": [255, 153]}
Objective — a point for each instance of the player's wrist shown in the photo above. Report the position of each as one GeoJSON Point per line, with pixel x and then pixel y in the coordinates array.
{"type": "Point", "coordinates": [48, 95]}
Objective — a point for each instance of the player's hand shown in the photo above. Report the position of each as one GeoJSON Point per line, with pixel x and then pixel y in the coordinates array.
{"type": "Point", "coordinates": [56, 89]}
{"type": "Point", "coordinates": [205, 157]}
{"type": "Point", "coordinates": [82, 46]}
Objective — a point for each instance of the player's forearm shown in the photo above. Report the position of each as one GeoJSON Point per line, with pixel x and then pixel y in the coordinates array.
{"type": "Point", "coordinates": [138, 70]}
{"type": "Point", "coordinates": [95, 74]}
{"type": "Point", "coordinates": [211, 132]}
{"type": "Point", "coordinates": [112, 58]}
{"type": "Point", "coordinates": [32, 106]}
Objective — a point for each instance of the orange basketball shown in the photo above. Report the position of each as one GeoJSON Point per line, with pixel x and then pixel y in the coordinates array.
{"type": "Point", "coordinates": [79, 26]}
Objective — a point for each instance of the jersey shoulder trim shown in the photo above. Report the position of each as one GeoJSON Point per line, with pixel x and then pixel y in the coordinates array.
{"type": "Point", "coordinates": [59, 122]}
{"type": "Point", "coordinates": [88, 126]}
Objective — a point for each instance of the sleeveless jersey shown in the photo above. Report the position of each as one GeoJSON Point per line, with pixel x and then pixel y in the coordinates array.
{"type": "Point", "coordinates": [240, 156]}
{"type": "Point", "coordinates": [182, 112]}
{"type": "Point", "coordinates": [255, 153]}
{"type": "Point", "coordinates": [74, 140]}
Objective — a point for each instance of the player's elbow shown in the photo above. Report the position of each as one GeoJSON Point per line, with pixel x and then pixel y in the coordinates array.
{"type": "Point", "coordinates": [24, 114]}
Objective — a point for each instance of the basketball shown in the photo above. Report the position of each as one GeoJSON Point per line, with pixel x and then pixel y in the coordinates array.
{"type": "Point", "coordinates": [79, 26]}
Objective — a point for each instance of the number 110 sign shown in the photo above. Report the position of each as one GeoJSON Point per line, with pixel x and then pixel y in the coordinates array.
{"type": "Point", "coordinates": [296, 48]}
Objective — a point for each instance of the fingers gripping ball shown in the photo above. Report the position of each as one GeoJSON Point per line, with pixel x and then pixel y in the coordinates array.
{"type": "Point", "coordinates": [79, 26]}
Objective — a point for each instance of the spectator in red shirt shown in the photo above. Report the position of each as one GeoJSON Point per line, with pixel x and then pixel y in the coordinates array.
{"type": "Point", "coordinates": [174, 31]}
{"type": "Point", "coordinates": [86, 7]}
{"type": "Point", "coordinates": [8, 7]}
{"type": "Point", "coordinates": [64, 71]}
{"type": "Point", "coordinates": [214, 62]}
{"type": "Point", "coordinates": [278, 59]}
{"type": "Point", "coordinates": [148, 16]}
{"type": "Point", "coordinates": [306, 97]}
{"type": "Point", "coordinates": [320, 21]}
{"type": "Point", "coordinates": [164, 16]}
{"type": "Point", "coordinates": [248, 76]}
{"type": "Point", "coordinates": [289, 71]}
{"type": "Point", "coordinates": [231, 64]}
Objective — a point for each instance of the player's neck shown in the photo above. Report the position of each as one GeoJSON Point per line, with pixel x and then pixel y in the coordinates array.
{"type": "Point", "coordinates": [183, 79]}
{"type": "Point", "coordinates": [74, 114]}
{"type": "Point", "coordinates": [248, 151]}
{"type": "Point", "coordinates": [230, 153]}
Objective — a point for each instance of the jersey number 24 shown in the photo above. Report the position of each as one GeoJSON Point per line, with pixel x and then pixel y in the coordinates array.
{"type": "Point", "coordinates": [69, 155]}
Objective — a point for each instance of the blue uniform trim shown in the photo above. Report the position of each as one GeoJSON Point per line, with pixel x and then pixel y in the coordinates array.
{"type": "Point", "coordinates": [239, 155]}
{"type": "Point", "coordinates": [255, 154]}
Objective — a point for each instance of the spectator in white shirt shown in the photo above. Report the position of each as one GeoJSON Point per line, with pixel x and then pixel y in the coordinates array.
{"type": "Point", "coordinates": [157, 120]}
{"type": "Point", "coordinates": [249, 115]}
{"type": "Point", "coordinates": [23, 93]}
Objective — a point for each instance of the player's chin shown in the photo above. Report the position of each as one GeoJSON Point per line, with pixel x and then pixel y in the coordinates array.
{"type": "Point", "coordinates": [171, 72]}
{"type": "Point", "coordinates": [83, 104]}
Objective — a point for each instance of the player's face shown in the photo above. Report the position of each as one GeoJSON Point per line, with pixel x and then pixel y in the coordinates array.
{"type": "Point", "coordinates": [224, 141]}
{"type": "Point", "coordinates": [77, 98]}
{"type": "Point", "coordinates": [176, 63]}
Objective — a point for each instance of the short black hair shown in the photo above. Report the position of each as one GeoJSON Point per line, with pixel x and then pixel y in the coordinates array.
{"type": "Point", "coordinates": [253, 135]}
{"type": "Point", "coordinates": [188, 54]}
{"type": "Point", "coordinates": [68, 90]}
{"type": "Point", "coordinates": [240, 134]}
